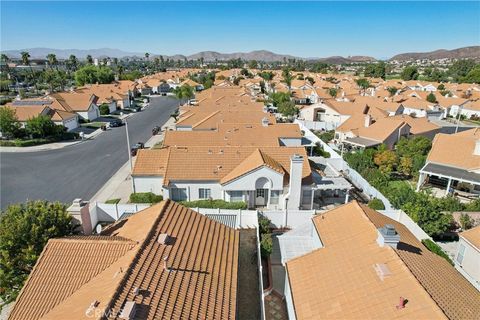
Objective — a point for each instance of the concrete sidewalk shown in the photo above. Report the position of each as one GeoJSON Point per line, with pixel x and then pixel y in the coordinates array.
{"type": "Point", "coordinates": [120, 185]}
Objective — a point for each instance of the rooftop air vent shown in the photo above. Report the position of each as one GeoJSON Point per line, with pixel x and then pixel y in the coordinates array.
{"type": "Point", "coordinates": [388, 236]}
{"type": "Point", "coordinates": [382, 270]}
{"type": "Point", "coordinates": [163, 238]}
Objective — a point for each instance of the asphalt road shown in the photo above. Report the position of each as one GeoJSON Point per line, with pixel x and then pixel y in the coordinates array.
{"type": "Point", "coordinates": [77, 171]}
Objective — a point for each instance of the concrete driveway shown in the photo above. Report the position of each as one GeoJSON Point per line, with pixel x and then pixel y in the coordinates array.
{"type": "Point", "coordinates": [77, 171]}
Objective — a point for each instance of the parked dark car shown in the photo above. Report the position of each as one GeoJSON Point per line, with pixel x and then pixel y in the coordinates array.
{"type": "Point", "coordinates": [116, 123]}
{"type": "Point", "coordinates": [136, 147]}
{"type": "Point", "coordinates": [156, 130]}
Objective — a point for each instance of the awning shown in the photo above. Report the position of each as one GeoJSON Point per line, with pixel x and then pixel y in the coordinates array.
{"type": "Point", "coordinates": [451, 173]}
{"type": "Point", "coordinates": [362, 142]}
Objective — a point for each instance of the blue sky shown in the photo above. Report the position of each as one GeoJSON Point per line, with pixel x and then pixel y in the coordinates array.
{"type": "Point", "coordinates": [307, 29]}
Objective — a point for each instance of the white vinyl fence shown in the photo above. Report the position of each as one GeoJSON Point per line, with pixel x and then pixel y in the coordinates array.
{"type": "Point", "coordinates": [291, 218]}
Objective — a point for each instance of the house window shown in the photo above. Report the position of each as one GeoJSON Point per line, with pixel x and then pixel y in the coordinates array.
{"type": "Point", "coordinates": [204, 193]}
{"type": "Point", "coordinates": [461, 254]}
{"type": "Point", "coordinates": [179, 194]}
{"type": "Point", "coordinates": [306, 197]}
{"type": "Point", "coordinates": [236, 196]}
{"type": "Point", "coordinates": [274, 196]}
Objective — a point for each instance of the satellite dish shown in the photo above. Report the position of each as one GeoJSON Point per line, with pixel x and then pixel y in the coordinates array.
{"type": "Point", "coordinates": [98, 229]}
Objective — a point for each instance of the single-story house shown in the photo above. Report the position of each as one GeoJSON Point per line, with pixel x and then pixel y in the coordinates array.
{"type": "Point", "coordinates": [83, 104]}
{"type": "Point", "coordinates": [467, 257]}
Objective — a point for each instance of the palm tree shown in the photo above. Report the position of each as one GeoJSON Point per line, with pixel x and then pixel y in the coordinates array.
{"type": "Point", "coordinates": [52, 60]}
{"type": "Point", "coordinates": [25, 58]}
{"type": "Point", "coordinates": [363, 84]}
{"type": "Point", "coordinates": [392, 91]}
{"type": "Point", "coordinates": [72, 62]}
{"type": "Point", "coordinates": [89, 59]}
{"type": "Point", "coordinates": [147, 55]}
{"type": "Point", "coordinates": [287, 77]}
{"type": "Point", "coordinates": [26, 62]}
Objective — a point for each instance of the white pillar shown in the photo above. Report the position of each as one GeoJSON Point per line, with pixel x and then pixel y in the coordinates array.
{"type": "Point", "coordinates": [347, 196]}
{"type": "Point", "coordinates": [313, 195]}
{"type": "Point", "coordinates": [421, 179]}
{"type": "Point", "coordinates": [448, 186]}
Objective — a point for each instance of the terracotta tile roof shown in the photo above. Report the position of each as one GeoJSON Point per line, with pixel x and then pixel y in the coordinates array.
{"type": "Point", "coordinates": [418, 125]}
{"type": "Point", "coordinates": [381, 129]}
{"type": "Point", "coordinates": [73, 101]}
{"type": "Point", "coordinates": [64, 266]}
{"type": "Point", "coordinates": [254, 161]}
{"type": "Point", "coordinates": [202, 281]}
{"type": "Point", "coordinates": [472, 236]}
{"type": "Point", "coordinates": [151, 162]}
{"type": "Point", "coordinates": [464, 145]}
{"type": "Point", "coordinates": [26, 112]}
{"type": "Point", "coordinates": [208, 120]}
{"type": "Point", "coordinates": [339, 281]}
{"type": "Point", "coordinates": [106, 93]}
{"type": "Point", "coordinates": [234, 135]}
{"type": "Point", "coordinates": [211, 163]}
{"type": "Point", "coordinates": [457, 297]}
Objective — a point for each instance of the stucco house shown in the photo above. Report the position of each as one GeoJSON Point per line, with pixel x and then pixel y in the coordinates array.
{"type": "Point", "coordinates": [83, 104]}
{"type": "Point", "coordinates": [271, 177]}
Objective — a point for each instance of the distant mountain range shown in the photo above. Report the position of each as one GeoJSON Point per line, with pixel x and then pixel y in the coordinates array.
{"type": "Point", "coordinates": [460, 53]}
{"type": "Point", "coordinates": [260, 55]}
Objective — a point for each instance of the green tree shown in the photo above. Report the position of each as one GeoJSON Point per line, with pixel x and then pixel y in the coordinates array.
{"type": "Point", "coordinates": [184, 92]}
{"type": "Point", "coordinates": [320, 67]}
{"type": "Point", "coordinates": [266, 75]}
{"type": "Point", "coordinates": [392, 91]}
{"type": "Point", "coordinates": [287, 108]}
{"type": "Point", "coordinates": [89, 59]}
{"type": "Point", "coordinates": [473, 76]}
{"type": "Point", "coordinates": [460, 68]}
{"type": "Point", "coordinates": [332, 92]}
{"type": "Point", "coordinates": [409, 73]}
{"type": "Point", "coordinates": [363, 84]}
{"type": "Point", "coordinates": [375, 70]}
{"type": "Point", "coordinates": [278, 97]}
{"type": "Point", "coordinates": [91, 74]}
{"type": "Point", "coordinates": [72, 63]}
{"type": "Point", "coordinates": [52, 60]}
{"type": "Point", "coordinates": [431, 98]}
{"type": "Point", "coordinates": [386, 161]}
{"type": "Point", "coordinates": [406, 166]}
{"type": "Point", "coordinates": [104, 109]}
{"type": "Point", "coordinates": [24, 231]}
{"type": "Point", "coordinates": [287, 77]}
{"type": "Point", "coordinates": [253, 64]}
{"type": "Point", "coordinates": [9, 125]}
{"type": "Point", "coordinates": [40, 127]}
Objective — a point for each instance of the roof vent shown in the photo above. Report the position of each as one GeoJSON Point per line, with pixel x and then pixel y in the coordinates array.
{"type": "Point", "coordinates": [136, 291]}
{"type": "Point", "coordinates": [220, 151]}
{"type": "Point", "coordinates": [382, 270]}
{"type": "Point", "coordinates": [128, 311]}
{"type": "Point", "coordinates": [388, 236]}
{"type": "Point", "coordinates": [163, 238]}
{"type": "Point", "coordinates": [92, 306]}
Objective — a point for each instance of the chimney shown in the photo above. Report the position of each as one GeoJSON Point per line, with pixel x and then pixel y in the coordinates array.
{"type": "Point", "coordinates": [476, 151]}
{"type": "Point", "coordinates": [265, 122]}
{"type": "Point", "coordinates": [368, 120]}
{"type": "Point", "coordinates": [388, 236]}
{"type": "Point", "coordinates": [80, 212]}
{"type": "Point", "coordinates": [295, 185]}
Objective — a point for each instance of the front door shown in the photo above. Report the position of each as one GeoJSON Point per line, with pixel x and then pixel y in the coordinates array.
{"type": "Point", "coordinates": [261, 197]}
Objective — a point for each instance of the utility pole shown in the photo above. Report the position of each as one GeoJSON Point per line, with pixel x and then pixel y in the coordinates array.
{"type": "Point", "coordinates": [128, 146]}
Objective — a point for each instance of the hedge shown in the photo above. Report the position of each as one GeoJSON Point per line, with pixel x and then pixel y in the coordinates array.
{"type": "Point", "coordinates": [435, 248]}
{"type": "Point", "coordinates": [113, 201]}
{"type": "Point", "coordinates": [266, 245]}
{"type": "Point", "coordinates": [37, 141]}
{"type": "Point", "coordinates": [145, 197]}
{"type": "Point", "coordinates": [214, 204]}
{"type": "Point", "coordinates": [376, 204]}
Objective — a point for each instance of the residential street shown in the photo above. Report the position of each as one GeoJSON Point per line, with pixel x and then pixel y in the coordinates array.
{"type": "Point", "coordinates": [77, 171]}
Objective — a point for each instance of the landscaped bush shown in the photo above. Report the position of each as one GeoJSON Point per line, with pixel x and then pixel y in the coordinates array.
{"type": "Point", "coordinates": [319, 152]}
{"type": "Point", "coordinates": [104, 109]}
{"type": "Point", "coordinates": [263, 224]}
{"type": "Point", "coordinates": [266, 245]}
{"type": "Point", "coordinates": [435, 248]}
{"type": "Point", "coordinates": [145, 197]}
{"type": "Point", "coordinates": [376, 204]}
{"type": "Point", "coordinates": [215, 204]}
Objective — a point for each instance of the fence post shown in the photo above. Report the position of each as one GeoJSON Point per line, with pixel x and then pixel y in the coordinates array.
{"type": "Point", "coordinates": [116, 210]}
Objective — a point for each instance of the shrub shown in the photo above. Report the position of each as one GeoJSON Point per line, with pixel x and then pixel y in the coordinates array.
{"type": "Point", "coordinates": [376, 204]}
{"type": "Point", "coordinates": [263, 224]}
{"type": "Point", "coordinates": [104, 109]}
{"type": "Point", "coordinates": [266, 245]}
{"type": "Point", "coordinates": [214, 204]}
{"type": "Point", "coordinates": [145, 197]}
{"type": "Point", "coordinates": [435, 248]}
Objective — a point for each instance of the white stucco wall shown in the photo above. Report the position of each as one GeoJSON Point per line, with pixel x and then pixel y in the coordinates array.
{"type": "Point", "coordinates": [70, 124]}
{"type": "Point", "coordinates": [192, 188]}
{"type": "Point", "coordinates": [247, 182]}
{"type": "Point", "coordinates": [148, 184]}
{"type": "Point", "coordinates": [470, 266]}
{"type": "Point", "coordinates": [291, 142]}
